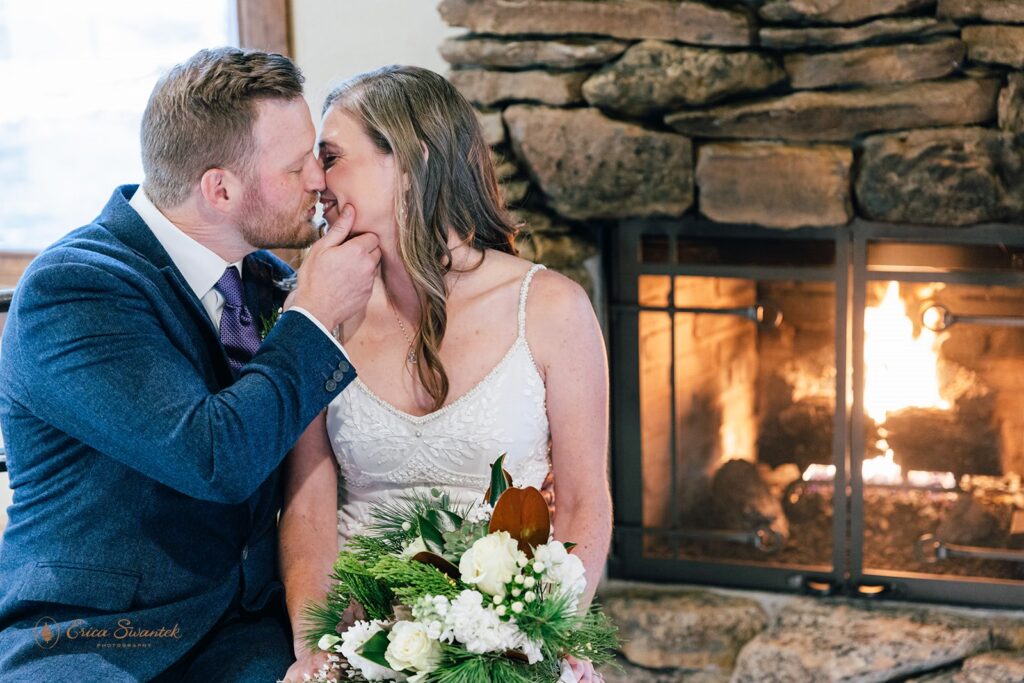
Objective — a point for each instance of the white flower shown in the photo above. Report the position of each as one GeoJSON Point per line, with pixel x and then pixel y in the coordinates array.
{"type": "Point", "coordinates": [491, 562]}
{"type": "Point", "coordinates": [430, 610]}
{"type": "Point", "coordinates": [531, 648]}
{"type": "Point", "coordinates": [481, 512]}
{"type": "Point", "coordinates": [353, 639]}
{"type": "Point", "coordinates": [410, 647]}
{"type": "Point", "coordinates": [480, 628]}
{"type": "Point", "coordinates": [565, 572]}
{"type": "Point", "coordinates": [328, 641]}
{"type": "Point", "coordinates": [415, 547]}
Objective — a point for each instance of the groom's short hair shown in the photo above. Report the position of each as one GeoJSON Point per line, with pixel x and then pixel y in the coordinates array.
{"type": "Point", "coordinates": [201, 115]}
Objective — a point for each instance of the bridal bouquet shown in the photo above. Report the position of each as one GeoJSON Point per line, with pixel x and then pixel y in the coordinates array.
{"type": "Point", "coordinates": [460, 595]}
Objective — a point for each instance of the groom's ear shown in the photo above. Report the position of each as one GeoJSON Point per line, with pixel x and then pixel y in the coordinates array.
{"type": "Point", "coordinates": [221, 189]}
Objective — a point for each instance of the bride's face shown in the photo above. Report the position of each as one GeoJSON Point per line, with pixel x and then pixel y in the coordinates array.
{"type": "Point", "coordinates": [357, 173]}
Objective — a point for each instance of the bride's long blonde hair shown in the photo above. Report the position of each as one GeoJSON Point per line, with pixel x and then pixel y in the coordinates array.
{"type": "Point", "coordinates": [406, 110]}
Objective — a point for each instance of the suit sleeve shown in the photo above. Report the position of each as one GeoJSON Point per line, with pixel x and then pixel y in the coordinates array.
{"type": "Point", "coordinates": [98, 365]}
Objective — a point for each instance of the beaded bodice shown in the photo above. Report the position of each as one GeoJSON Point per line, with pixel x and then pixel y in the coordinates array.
{"type": "Point", "coordinates": [386, 454]}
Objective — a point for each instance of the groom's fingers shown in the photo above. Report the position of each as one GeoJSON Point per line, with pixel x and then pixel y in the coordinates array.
{"type": "Point", "coordinates": [341, 228]}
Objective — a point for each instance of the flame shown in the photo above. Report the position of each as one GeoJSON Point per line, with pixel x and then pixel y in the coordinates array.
{"type": "Point", "coordinates": [882, 469]}
{"type": "Point", "coordinates": [900, 370]}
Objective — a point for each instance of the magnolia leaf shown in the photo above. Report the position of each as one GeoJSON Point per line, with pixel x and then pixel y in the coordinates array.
{"type": "Point", "coordinates": [569, 546]}
{"type": "Point", "coordinates": [431, 535]}
{"type": "Point", "coordinates": [375, 647]}
{"type": "Point", "coordinates": [524, 514]}
{"type": "Point", "coordinates": [501, 480]}
{"type": "Point", "coordinates": [444, 520]}
{"type": "Point", "coordinates": [439, 563]}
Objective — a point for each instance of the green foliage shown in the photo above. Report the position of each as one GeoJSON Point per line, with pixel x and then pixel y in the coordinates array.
{"type": "Point", "coordinates": [267, 323]}
{"type": "Point", "coordinates": [410, 580]}
{"type": "Point", "coordinates": [374, 648]}
{"type": "Point", "coordinates": [551, 621]}
{"type": "Point", "coordinates": [356, 579]}
{"type": "Point", "coordinates": [369, 549]}
{"type": "Point", "coordinates": [460, 666]}
{"type": "Point", "coordinates": [594, 637]}
{"type": "Point", "coordinates": [457, 542]}
{"type": "Point", "coordinates": [499, 483]}
{"type": "Point", "coordinates": [390, 518]}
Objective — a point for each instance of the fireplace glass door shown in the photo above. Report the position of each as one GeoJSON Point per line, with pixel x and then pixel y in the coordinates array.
{"type": "Point", "coordinates": [938, 429]}
{"type": "Point", "coordinates": [734, 421]}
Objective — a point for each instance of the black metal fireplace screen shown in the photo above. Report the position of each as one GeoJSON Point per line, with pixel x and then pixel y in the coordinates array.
{"type": "Point", "coordinates": [820, 410]}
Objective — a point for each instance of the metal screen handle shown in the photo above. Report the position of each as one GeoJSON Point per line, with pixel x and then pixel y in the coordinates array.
{"type": "Point", "coordinates": [931, 549]}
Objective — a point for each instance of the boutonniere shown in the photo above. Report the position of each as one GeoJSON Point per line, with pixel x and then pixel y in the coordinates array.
{"type": "Point", "coordinates": [267, 323]}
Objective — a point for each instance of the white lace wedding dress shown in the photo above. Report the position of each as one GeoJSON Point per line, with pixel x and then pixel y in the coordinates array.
{"type": "Point", "coordinates": [386, 454]}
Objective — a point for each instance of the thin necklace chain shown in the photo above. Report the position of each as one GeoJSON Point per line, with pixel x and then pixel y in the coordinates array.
{"type": "Point", "coordinates": [410, 357]}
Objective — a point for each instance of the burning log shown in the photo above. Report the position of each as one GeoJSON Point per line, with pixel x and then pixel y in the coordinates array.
{"type": "Point", "coordinates": [960, 440]}
{"type": "Point", "coordinates": [742, 499]}
{"type": "Point", "coordinates": [800, 433]}
{"type": "Point", "coordinates": [970, 523]}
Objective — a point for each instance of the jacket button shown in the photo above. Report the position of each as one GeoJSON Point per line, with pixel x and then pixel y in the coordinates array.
{"type": "Point", "coordinates": [344, 366]}
{"type": "Point", "coordinates": [338, 375]}
{"type": "Point", "coordinates": [331, 385]}
{"type": "Point", "coordinates": [245, 553]}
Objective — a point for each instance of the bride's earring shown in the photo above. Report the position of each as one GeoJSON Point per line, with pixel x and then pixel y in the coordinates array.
{"type": "Point", "coordinates": [401, 215]}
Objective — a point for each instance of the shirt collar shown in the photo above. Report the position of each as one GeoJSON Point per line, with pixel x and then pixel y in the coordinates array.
{"type": "Point", "coordinates": [201, 267]}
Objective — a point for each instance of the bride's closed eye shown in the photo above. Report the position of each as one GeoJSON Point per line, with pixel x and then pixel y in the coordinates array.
{"type": "Point", "coordinates": [328, 160]}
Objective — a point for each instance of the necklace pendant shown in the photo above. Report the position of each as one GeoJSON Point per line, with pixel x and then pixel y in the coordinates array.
{"type": "Point", "coordinates": [411, 358]}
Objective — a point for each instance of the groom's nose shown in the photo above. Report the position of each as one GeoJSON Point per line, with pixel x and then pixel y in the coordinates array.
{"type": "Point", "coordinates": [315, 178]}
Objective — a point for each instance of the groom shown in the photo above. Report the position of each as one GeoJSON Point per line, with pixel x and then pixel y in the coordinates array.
{"type": "Point", "coordinates": [144, 421]}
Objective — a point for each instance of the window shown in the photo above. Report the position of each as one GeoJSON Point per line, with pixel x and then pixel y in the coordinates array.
{"type": "Point", "coordinates": [76, 79]}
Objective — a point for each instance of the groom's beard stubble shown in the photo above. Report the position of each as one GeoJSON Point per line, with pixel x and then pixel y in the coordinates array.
{"type": "Point", "coordinates": [284, 228]}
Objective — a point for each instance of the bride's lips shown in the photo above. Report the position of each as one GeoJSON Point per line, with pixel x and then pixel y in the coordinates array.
{"type": "Point", "coordinates": [329, 204]}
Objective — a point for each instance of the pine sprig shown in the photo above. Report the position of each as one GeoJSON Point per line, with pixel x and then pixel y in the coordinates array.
{"type": "Point", "coordinates": [391, 517]}
{"type": "Point", "coordinates": [595, 637]}
{"type": "Point", "coordinates": [461, 666]}
{"type": "Point", "coordinates": [369, 549]}
{"type": "Point", "coordinates": [321, 618]}
{"type": "Point", "coordinates": [410, 580]}
{"type": "Point", "coordinates": [356, 579]}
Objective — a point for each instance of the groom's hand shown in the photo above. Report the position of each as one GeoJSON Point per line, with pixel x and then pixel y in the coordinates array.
{"type": "Point", "coordinates": [336, 277]}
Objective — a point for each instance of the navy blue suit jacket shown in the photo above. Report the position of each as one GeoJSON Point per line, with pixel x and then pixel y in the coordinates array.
{"type": "Point", "coordinates": [145, 478]}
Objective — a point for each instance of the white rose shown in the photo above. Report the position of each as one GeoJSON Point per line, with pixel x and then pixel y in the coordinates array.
{"type": "Point", "coordinates": [491, 562]}
{"type": "Point", "coordinates": [410, 648]}
{"type": "Point", "coordinates": [571, 576]}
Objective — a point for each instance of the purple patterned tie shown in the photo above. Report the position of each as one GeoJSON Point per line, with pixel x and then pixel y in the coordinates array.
{"type": "Point", "coordinates": [238, 334]}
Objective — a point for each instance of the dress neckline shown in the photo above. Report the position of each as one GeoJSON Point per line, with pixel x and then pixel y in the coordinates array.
{"type": "Point", "coordinates": [443, 410]}
{"type": "Point", "coordinates": [524, 288]}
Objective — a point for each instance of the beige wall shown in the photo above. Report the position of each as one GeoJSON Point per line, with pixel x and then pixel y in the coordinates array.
{"type": "Point", "coordinates": [335, 39]}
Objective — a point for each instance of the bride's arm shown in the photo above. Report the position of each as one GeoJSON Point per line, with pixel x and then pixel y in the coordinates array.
{"type": "Point", "coordinates": [566, 340]}
{"type": "Point", "coordinates": [308, 529]}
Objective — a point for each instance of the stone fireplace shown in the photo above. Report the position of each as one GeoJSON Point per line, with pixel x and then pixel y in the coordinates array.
{"type": "Point", "coordinates": [802, 221]}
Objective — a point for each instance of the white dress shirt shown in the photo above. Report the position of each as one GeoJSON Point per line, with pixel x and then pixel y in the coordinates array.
{"type": "Point", "coordinates": [200, 267]}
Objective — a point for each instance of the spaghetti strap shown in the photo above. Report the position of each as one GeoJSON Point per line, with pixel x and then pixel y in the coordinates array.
{"type": "Point", "coordinates": [524, 288]}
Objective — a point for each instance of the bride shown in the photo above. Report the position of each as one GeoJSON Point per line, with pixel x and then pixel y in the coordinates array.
{"type": "Point", "coordinates": [464, 351]}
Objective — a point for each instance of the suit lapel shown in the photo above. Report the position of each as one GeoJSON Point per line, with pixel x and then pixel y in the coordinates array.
{"type": "Point", "coordinates": [125, 224]}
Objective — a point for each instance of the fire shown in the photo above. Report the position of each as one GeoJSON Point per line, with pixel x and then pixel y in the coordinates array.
{"type": "Point", "coordinates": [900, 369]}
{"type": "Point", "coordinates": [900, 372]}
